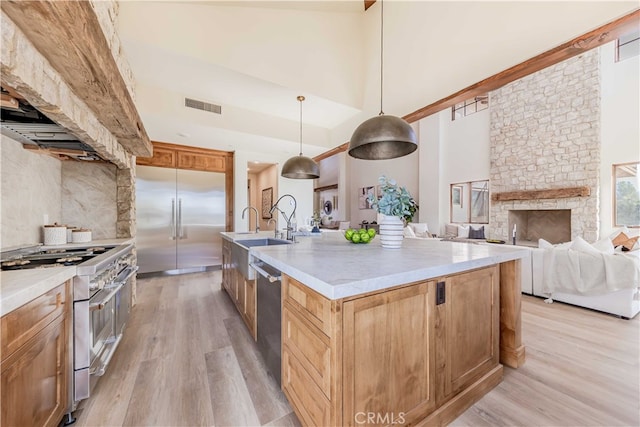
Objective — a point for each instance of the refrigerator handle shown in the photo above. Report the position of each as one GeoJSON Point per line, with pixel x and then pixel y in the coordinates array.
{"type": "Point", "coordinates": [180, 228]}
{"type": "Point", "coordinates": [173, 219]}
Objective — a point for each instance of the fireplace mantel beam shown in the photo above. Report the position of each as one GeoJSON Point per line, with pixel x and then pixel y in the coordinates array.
{"type": "Point", "coordinates": [69, 36]}
{"type": "Point", "coordinates": [553, 193]}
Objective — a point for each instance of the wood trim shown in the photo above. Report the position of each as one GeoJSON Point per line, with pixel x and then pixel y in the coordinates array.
{"type": "Point", "coordinates": [326, 187]}
{"type": "Point", "coordinates": [577, 46]}
{"type": "Point", "coordinates": [333, 151]}
{"type": "Point", "coordinates": [512, 351]}
{"type": "Point", "coordinates": [553, 193]}
{"type": "Point", "coordinates": [199, 150]}
{"type": "Point", "coordinates": [368, 4]}
{"type": "Point", "coordinates": [68, 34]}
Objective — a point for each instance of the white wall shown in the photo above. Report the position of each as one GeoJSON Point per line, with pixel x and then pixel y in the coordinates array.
{"type": "Point", "coordinates": [619, 126]}
{"type": "Point", "coordinates": [451, 152]}
{"type": "Point", "coordinates": [365, 173]}
{"type": "Point", "coordinates": [31, 189]}
{"type": "Point", "coordinates": [301, 189]}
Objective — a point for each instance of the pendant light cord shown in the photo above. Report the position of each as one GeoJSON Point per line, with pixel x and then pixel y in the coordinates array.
{"type": "Point", "coordinates": [301, 98]}
{"type": "Point", "coordinates": [381, 51]}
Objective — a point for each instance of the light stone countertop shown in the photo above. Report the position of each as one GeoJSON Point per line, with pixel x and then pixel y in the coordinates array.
{"type": "Point", "coordinates": [18, 287]}
{"type": "Point", "coordinates": [336, 268]}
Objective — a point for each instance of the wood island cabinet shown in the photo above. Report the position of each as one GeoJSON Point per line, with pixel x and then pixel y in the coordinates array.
{"type": "Point", "coordinates": [36, 360]}
{"type": "Point", "coordinates": [241, 290]}
{"type": "Point", "coordinates": [396, 356]}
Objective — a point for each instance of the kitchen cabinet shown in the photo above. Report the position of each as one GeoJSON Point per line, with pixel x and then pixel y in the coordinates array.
{"type": "Point", "coordinates": [36, 343]}
{"type": "Point", "coordinates": [395, 353]}
{"type": "Point", "coordinates": [241, 290]}
{"type": "Point", "coordinates": [183, 157]}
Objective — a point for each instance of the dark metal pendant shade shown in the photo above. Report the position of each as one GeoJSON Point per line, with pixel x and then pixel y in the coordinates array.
{"type": "Point", "coordinates": [300, 167]}
{"type": "Point", "coordinates": [382, 137]}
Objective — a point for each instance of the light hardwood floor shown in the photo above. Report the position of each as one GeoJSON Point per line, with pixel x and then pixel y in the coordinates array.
{"type": "Point", "coordinates": [188, 360]}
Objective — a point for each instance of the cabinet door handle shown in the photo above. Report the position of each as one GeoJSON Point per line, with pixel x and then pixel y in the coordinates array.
{"type": "Point", "coordinates": [440, 293]}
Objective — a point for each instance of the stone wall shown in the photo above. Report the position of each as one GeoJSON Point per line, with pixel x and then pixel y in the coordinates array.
{"type": "Point", "coordinates": [545, 133]}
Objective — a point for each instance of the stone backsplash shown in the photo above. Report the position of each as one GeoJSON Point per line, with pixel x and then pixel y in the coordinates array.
{"type": "Point", "coordinates": [545, 133]}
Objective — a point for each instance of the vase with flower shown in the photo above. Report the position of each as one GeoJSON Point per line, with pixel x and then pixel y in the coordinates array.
{"type": "Point", "coordinates": [397, 207]}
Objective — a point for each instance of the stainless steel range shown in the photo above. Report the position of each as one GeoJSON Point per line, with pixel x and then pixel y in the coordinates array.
{"type": "Point", "coordinates": [101, 303]}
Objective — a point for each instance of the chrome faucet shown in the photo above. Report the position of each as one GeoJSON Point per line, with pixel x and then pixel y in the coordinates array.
{"type": "Point", "coordinates": [256, 211]}
{"type": "Point", "coordinates": [290, 235]}
{"type": "Point", "coordinates": [275, 228]}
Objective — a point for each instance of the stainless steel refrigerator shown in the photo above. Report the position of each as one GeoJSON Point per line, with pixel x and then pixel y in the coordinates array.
{"type": "Point", "coordinates": [179, 214]}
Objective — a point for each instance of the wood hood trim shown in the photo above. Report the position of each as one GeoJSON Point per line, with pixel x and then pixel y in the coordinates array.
{"type": "Point", "coordinates": [68, 34]}
{"type": "Point", "coordinates": [553, 193]}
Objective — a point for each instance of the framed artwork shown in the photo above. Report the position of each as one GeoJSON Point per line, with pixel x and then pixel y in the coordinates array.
{"type": "Point", "coordinates": [363, 197]}
{"type": "Point", "coordinates": [267, 200]}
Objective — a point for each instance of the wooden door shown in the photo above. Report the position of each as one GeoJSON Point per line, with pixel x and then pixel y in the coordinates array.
{"type": "Point", "coordinates": [469, 334]}
{"type": "Point", "coordinates": [35, 379]}
{"type": "Point", "coordinates": [388, 362]}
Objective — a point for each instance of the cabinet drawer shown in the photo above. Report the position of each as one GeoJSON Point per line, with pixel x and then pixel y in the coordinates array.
{"type": "Point", "coordinates": [311, 305]}
{"type": "Point", "coordinates": [311, 405]}
{"type": "Point", "coordinates": [310, 347]}
{"type": "Point", "coordinates": [24, 322]}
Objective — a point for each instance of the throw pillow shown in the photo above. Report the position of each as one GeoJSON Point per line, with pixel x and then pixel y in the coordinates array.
{"type": "Point", "coordinates": [581, 245]}
{"type": "Point", "coordinates": [450, 230]}
{"type": "Point", "coordinates": [420, 229]}
{"type": "Point", "coordinates": [605, 246]}
{"type": "Point", "coordinates": [463, 231]}
{"type": "Point", "coordinates": [408, 232]}
{"type": "Point", "coordinates": [620, 239]}
{"type": "Point", "coordinates": [476, 234]}
{"type": "Point", "coordinates": [630, 243]}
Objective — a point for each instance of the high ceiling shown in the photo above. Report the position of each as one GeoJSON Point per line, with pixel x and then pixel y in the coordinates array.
{"type": "Point", "coordinates": [253, 58]}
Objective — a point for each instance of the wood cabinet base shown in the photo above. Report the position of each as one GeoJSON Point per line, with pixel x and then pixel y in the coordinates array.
{"type": "Point", "coordinates": [416, 354]}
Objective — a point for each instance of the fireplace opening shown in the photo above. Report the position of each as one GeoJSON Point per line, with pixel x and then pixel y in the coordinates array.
{"type": "Point", "coordinates": [552, 225]}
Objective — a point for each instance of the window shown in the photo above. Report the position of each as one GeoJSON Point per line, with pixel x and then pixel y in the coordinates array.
{"type": "Point", "coordinates": [469, 107]}
{"type": "Point", "coordinates": [628, 46]}
{"type": "Point", "coordinates": [470, 202]}
{"type": "Point", "coordinates": [626, 195]}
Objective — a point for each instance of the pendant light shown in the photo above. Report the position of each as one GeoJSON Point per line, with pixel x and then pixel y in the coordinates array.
{"type": "Point", "coordinates": [384, 136]}
{"type": "Point", "coordinates": [300, 167]}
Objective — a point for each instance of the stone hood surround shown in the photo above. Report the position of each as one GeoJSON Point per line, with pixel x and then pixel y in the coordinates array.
{"type": "Point", "coordinates": [77, 45]}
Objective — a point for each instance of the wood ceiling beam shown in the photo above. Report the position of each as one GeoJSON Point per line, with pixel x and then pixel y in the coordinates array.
{"type": "Point", "coordinates": [601, 35]}
{"type": "Point", "coordinates": [69, 36]}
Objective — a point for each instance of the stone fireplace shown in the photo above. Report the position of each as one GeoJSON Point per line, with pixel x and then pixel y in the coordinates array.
{"type": "Point", "coordinates": [545, 138]}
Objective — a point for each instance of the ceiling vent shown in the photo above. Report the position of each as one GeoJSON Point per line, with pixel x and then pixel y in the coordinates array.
{"type": "Point", "coordinates": [204, 106]}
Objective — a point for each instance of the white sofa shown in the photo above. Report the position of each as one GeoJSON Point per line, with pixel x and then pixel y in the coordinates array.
{"type": "Point", "coordinates": [622, 302]}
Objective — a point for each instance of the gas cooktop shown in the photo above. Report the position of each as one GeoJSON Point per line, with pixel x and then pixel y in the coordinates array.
{"type": "Point", "coordinates": [51, 257]}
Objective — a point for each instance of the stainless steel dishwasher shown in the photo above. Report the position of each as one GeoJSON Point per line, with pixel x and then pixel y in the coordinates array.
{"type": "Point", "coordinates": [269, 322]}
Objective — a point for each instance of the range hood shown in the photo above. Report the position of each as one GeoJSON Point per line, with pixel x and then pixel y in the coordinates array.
{"type": "Point", "coordinates": [24, 123]}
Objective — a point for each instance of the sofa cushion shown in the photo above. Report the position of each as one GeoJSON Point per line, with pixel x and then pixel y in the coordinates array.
{"type": "Point", "coordinates": [463, 231]}
{"type": "Point", "coordinates": [450, 230]}
{"type": "Point", "coordinates": [581, 245]}
{"type": "Point", "coordinates": [420, 229]}
{"type": "Point", "coordinates": [476, 233]}
{"type": "Point", "coordinates": [408, 232]}
{"type": "Point", "coordinates": [605, 246]}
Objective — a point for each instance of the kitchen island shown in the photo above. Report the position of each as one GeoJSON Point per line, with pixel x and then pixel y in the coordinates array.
{"type": "Point", "coordinates": [394, 336]}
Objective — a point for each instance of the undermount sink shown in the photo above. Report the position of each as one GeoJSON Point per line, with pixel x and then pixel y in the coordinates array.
{"type": "Point", "coordinates": [240, 253]}
{"type": "Point", "coordinates": [268, 241]}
